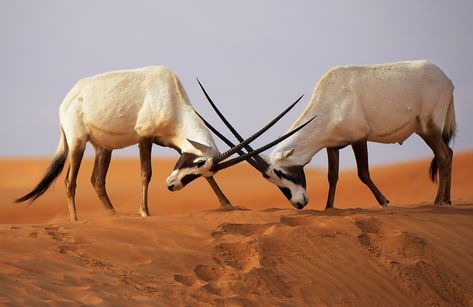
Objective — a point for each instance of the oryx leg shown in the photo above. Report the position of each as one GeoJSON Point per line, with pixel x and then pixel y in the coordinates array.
{"type": "Point", "coordinates": [76, 154]}
{"type": "Point", "coordinates": [145, 146]}
{"type": "Point", "coordinates": [361, 155]}
{"type": "Point", "coordinates": [443, 156]}
{"type": "Point", "coordinates": [221, 197]}
{"type": "Point", "coordinates": [99, 174]}
{"type": "Point", "coordinates": [446, 198]}
{"type": "Point", "coordinates": [333, 166]}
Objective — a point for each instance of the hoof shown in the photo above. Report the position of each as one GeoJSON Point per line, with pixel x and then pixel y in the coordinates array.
{"type": "Point", "coordinates": [384, 203]}
{"type": "Point", "coordinates": [143, 214]}
{"type": "Point", "coordinates": [73, 218]}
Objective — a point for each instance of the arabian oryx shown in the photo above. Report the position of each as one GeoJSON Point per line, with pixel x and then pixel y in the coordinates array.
{"type": "Point", "coordinates": [144, 106]}
{"type": "Point", "coordinates": [381, 103]}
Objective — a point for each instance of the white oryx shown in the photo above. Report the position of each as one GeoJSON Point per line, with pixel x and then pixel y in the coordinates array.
{"type": "Point", "coordinates": [144, 106]}
{"type": "Point", "coordinates": [381, 103]}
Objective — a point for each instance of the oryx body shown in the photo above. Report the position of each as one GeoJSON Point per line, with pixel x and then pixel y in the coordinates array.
{"type": "Point", "coordinates": [118, 109]}
{"type": "Point", "coordinates": [381, 103]}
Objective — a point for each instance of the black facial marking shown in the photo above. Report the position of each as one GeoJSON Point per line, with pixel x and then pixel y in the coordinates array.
{"type": "Point", "coordinates": [200, 163]}
{"type": "Point", "coordinates": [286, 192]}
{"type": "Point", "coordinates": [188, 178]}
{"type": "Point", "coordinates": [278, 173]}
{"type": "Point", "coordinates": [294, 174]}
{"type": "Point", "coordinates": [186, 160]}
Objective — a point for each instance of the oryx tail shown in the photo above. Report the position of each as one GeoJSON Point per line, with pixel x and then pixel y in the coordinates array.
{"type": "Point", "coordinates": [54, 170]}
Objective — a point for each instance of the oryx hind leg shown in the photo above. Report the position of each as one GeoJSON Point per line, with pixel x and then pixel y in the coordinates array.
{"type": "Point", "coordinates": [447, 196]}
{"type": "Point", "coordinates": [361, 155]}
{"type": "Point", "coordinates": [443, 157]}
{"type": "Point", "coordinates": [145, 146]}
{"type": "Point", "coordinates": [99, 174]}
{"type": "Point", "coordinates": [221, 197]}
{"type": "Point", "coordinates": [76, 154]}
{"type": "Point", "coordinates": [333, 167]}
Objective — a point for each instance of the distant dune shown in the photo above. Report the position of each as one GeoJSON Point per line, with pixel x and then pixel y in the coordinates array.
{"type": "Point", "coordinates": [190, 252]}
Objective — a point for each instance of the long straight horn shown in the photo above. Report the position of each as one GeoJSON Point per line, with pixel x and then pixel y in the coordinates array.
{"type": "Point", "coordinates": [227, 141]}
{"type": "Point", "coordinates": [236, 160]}
{"type": "Point", "coordinates": [262, 163]}
{"type": "Point", "coordinates": [258, 163]}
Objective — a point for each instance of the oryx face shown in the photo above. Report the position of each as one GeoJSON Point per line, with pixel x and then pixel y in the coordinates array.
{"type": "Point", "coordinates": [188, 168]}
{"type": "Point", "coordinates": [291, 181]}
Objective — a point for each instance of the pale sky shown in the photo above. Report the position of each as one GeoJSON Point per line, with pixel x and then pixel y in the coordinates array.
{"type": "Point", "coordinates": [254, 57]}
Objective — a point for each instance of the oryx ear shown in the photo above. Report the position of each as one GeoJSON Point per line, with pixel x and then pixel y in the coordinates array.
{"type": "Point", "coordinates": [202, 147]}
{"type": "Point", "coordinates": [287, 153]}
{"type": "Point", "coordinates": [283, 155]}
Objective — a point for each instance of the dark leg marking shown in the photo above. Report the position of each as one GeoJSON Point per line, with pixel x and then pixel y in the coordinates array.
{"type": "Point", "coordinates": [333, 167]}
{"type": "Point", "coordinates": [443, 156]}
{"type": "Point", "coordinates": [361, 154]}
{"type": "Point", "coordinates": [221, 197]}
{"type": "Point", "coordinates": [145, 146]}
{"type": "Point", "coordinates": [99, 174]}
{"type": "Point", "coordinates": [76, 154]}
{"type": "Point", "coordinates": [447, 200]}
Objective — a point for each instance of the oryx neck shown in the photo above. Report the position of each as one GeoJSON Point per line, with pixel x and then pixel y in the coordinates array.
{"type": "Point", "coordinates": [193, 128]}
{"type": "Point", "coordinates": [307, 142]}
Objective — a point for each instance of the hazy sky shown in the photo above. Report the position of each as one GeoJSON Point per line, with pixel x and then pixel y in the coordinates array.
{"type": "Point", "coordinates": [254, 57]}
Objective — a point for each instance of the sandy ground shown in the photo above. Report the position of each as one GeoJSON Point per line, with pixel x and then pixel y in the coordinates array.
{"type": "Point", "coordinates": [190, 252]}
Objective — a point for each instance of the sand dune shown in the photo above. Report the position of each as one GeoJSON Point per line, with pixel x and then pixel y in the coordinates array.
{"type": "Point", "coordinates": [264, 253]}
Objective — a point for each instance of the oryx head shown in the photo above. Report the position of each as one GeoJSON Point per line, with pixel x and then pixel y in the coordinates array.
{"type": "Point", "coordinates": [289, 179]}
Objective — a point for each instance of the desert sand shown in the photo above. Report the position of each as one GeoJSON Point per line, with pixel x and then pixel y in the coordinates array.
{"type": "Point", "coordinates": [262, 253]}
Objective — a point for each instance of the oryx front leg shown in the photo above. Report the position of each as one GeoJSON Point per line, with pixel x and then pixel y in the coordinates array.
{"type": "Point", "coordinates": [99, 174]}
{"type": "Point", "coordinates": [333, 166]}
{"type": "Point", "coordinates": [76, 153]}
{"type": "Point", "coordinates": [221, 197]}
{"type": "Point", "coordinates": [146, 173]}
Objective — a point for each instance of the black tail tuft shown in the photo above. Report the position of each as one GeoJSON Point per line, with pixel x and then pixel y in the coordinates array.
{"type": "Point", "coordinates": [55, 168]}
{"type": "Point", "coordinates": [447, 136]}
{"type": "Point", "coordinates": [433, 170]}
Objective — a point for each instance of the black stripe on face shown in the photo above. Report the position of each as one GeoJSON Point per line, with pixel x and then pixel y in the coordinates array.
{"type": "Point", "coordinates": [295, 174]}
{"type": "Point", "coordinates": [186, 160]}
{"type": "Point", "coordinates": [286, 192]}
{"type": "Point", "coordinates": [188, 178]}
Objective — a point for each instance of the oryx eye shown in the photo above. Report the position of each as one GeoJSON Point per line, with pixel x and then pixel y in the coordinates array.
{"type": "Point", "coordinates": [200, 163]}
